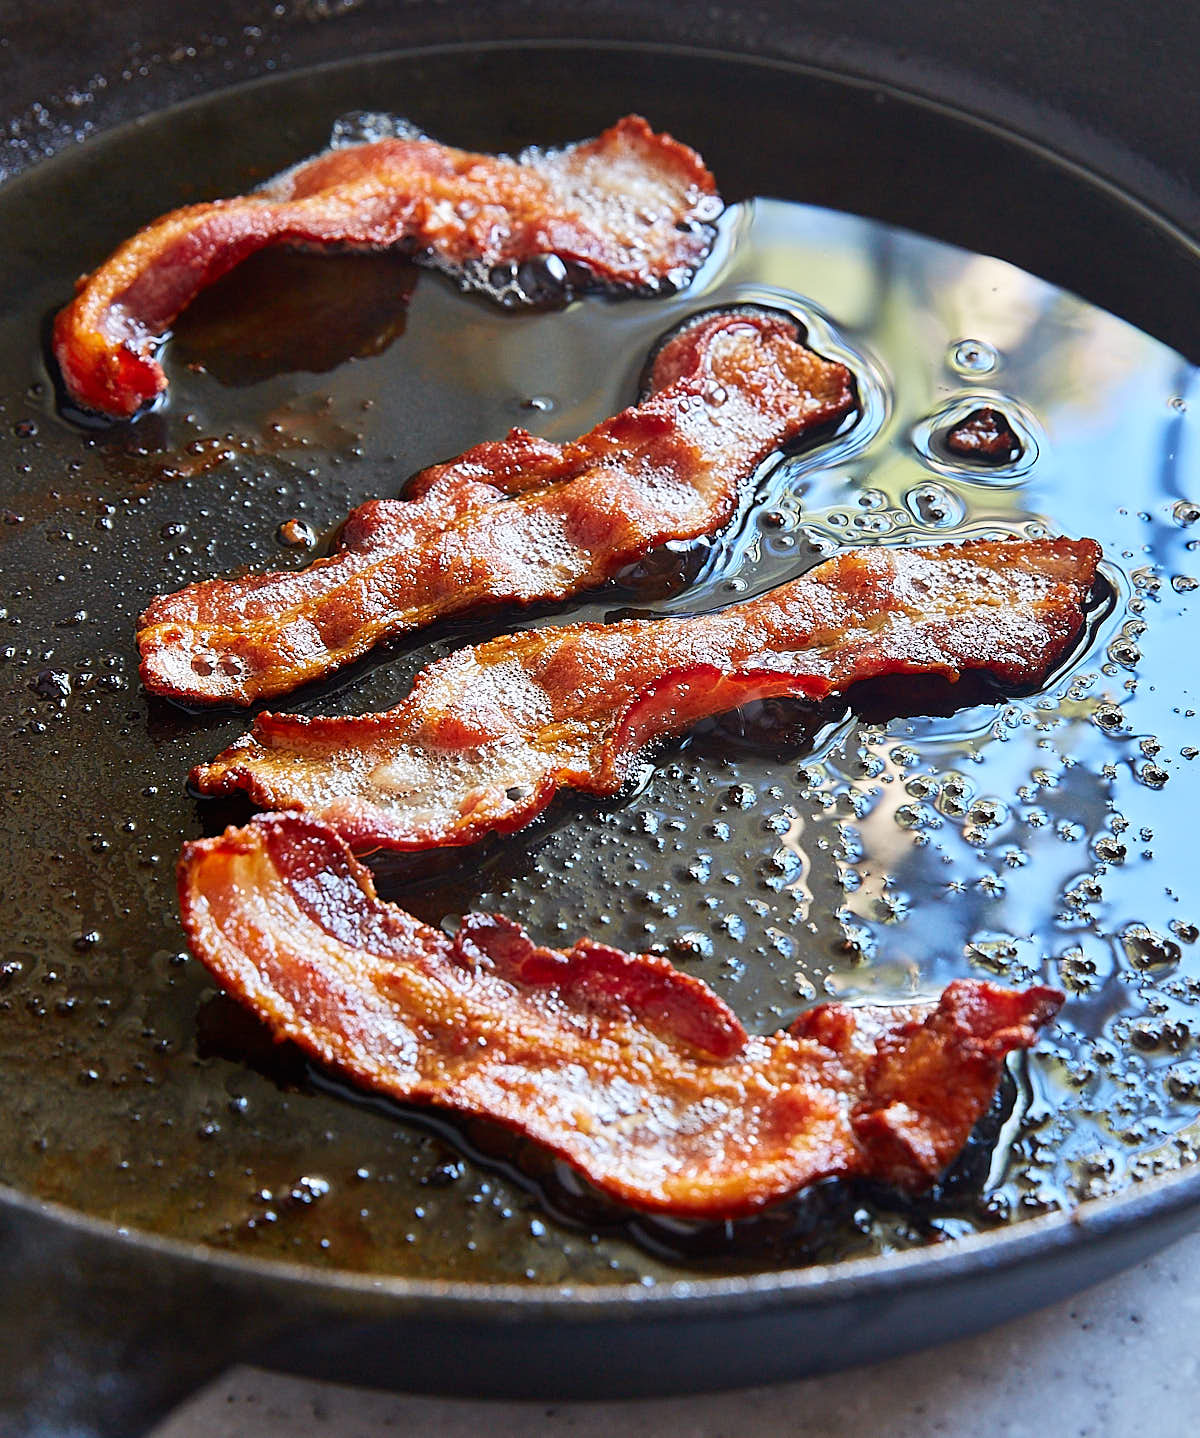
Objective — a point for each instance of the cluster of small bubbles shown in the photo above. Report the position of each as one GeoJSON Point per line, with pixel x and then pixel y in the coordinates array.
{"type": "Point", "coordinates": [365, 127]}
{"type": "Point", "coordinates": [954, 795]}
{"type": "Point", "coordinates": [1184, 583]}
{"type": "Point", "coordinates": [444, 1173]}
{"type": "Point", "coordinates": [1148, 950]}
{"type": "Point", "coordinates": [892, 906]}
{"type": "Point", "coordinates": [874, 499]}
{"type": "Point", "coordinates": [307, 1190]}
{"type": "Point", "coordinates": [1146, 579]}
{"type": "Point", "coordinates": [998, 956]}
{"type": "Point", "coordinates": [1182, 1080]}
{"type": "Point", "coordinates": [1077, 972]}
{"type": "Point", "coordinates": [1097, 1174]}
{"type": "Point", "coordinates": [1086, 890]}
{"type": "Point", "coordinates": [934, 506]}
{"type": "Point", "coordinates": [1124, 650]}
{"type": "Point", "coordinates": [865, 764]}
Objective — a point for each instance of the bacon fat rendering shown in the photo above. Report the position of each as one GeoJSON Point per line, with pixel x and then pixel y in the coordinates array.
{"type": "Point", "coordinates": [489, 734]}
{"type": "Point", "coordinates": [627, 211]}
{"type": "Point", "coordinates": [637, 1074]}
{"type": "Point", "coordinates": [514, 520]}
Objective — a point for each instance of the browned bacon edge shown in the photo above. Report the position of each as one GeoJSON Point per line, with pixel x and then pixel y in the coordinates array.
{"type": "Point", "coordinates": [626, 211]}
{"type": "Point", "coordinates": [637, 1074]}
{"type": "Point", "coordinates": [488, 735]}
{"type": "Point", "coordinates": [510, 521]}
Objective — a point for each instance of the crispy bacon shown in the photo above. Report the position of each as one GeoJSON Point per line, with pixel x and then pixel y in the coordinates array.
{"type": "Point", "coordinates": [985, 435]}
{"type": "Point", "coordinates": [626, 211]}
{"type": "Point", "coordinates": [489, 734]}
{"type": "Point", "coordinates": [637, 1074]}
{"type": "Point", "coordinates": [516, 520]}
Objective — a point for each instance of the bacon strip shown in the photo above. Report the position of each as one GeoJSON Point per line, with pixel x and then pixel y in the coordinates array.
{"type": "Point", "coordinates": [510, 521]}
{"type": "Point", "coordinates": [626, 211]}
{"type": "Point", "coordinates": [637, 1074]}
{"type": "Point", "coordinates": [488, 735]}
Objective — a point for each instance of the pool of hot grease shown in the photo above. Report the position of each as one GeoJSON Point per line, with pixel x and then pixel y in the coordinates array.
{"type": "Point", "coordinates": [870, 850]}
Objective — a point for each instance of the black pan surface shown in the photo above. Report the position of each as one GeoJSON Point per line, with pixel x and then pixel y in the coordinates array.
{"type": "Point", "coordinates": [139, 1098]}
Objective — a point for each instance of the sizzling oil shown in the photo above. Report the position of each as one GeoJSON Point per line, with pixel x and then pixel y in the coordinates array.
{"type": "Point", "coordinates": [784, 856]}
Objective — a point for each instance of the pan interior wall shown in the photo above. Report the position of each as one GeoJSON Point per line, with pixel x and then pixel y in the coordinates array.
{"type": "Point", "coordinates": [782, 855]}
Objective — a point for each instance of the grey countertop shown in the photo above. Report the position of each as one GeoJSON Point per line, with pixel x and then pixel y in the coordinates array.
{"type": "Point", "coordinates": [1120, 1359]}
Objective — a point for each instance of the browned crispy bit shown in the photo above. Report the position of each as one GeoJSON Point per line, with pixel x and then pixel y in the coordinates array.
{"type": "Point", "coordinates": [986, 436]}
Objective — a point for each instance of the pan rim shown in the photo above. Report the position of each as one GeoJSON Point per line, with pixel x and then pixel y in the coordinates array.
{"type": "Point", "coordinates": [851, 78]}
{"type": "Point", "coordinates": [1033, 1239]}
{"type": "Point", "coordinates": [1084, 1225]}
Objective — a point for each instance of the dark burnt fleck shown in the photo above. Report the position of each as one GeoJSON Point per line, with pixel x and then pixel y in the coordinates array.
{"type": "Point", "coordinates": [986, 436]}
{"type": "Point", "coordinates": [52, 684]}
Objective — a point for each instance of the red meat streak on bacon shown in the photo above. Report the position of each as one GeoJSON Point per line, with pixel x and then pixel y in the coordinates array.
{"type": "Point", "coordinates": [488, 735]}
{"type": "Point", "coordinates": [637, 1074]}
{"type": "Point", "coordinates": [625, 211]}
{"type": "Point", "coordinates": [514, 521]}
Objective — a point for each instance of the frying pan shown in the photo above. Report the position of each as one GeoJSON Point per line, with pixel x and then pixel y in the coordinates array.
{"type": "Point", "coordinates": [1076, 161]}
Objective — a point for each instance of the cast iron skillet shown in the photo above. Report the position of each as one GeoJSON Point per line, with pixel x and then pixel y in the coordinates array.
{"type": "Point", "coordinates": [103, 1329]}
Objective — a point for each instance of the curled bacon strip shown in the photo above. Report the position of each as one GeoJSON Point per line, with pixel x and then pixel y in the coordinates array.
{"type": "Point", "coordinates": [626, 211]}
{"type": "Point", "coordinates": [516, 520]}
{"type": "Point", "coordinates": [489, 734]}
{"type": "Point", "coordinates": [637, 1074]}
